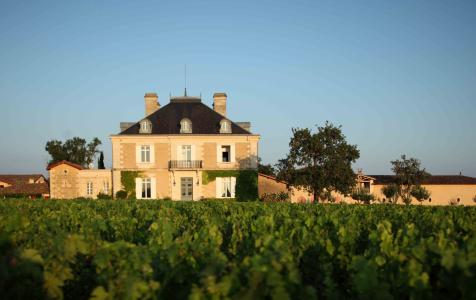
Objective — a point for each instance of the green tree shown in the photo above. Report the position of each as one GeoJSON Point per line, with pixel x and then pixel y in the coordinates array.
{"type": "Point", "coordinates": [391, 192]}
{"type": "Point", "coordinates": [74, 150]}
{"type": "Point", "coordinates": [319, 162]}
{"type": "Point", "coordinates": [267, 169]}
{"type": "Point", "coordinates": [408, 173]}
{"type": "Point", "coordinates": [420, 193]}
{"type": "Point", "coordinates": [101, 161]}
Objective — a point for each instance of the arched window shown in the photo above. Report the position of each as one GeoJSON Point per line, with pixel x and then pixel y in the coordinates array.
{"type": "Point", "coordinates": [225, 126]}
{"type": "Point", "coordinates": [185, 126]}
{"type": "Point", "coordinates": [145, 126]}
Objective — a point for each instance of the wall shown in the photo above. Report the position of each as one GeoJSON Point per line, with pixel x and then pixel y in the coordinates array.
{"type": "Point", "coordinates": [64, 182]}
{"type": "Point", "coordinates": [270, 185]}
{"type": "Point", "coordinates": [98, 179]}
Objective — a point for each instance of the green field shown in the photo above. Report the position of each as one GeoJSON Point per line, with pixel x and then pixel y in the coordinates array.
{"type": "Point", "coordinates": [162, 249]}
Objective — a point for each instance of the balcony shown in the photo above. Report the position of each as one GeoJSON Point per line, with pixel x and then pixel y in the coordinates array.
{"type": "Point", "coordinates": [185, 164]}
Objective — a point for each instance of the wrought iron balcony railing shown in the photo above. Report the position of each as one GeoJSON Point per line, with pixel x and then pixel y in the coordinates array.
{"type": "Point", "coordinates": [185, 164]}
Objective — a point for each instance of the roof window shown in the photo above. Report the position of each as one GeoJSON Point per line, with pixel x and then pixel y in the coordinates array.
{"type": "Point", "coordinates": [145, 126]}
{"type": "Point", "coordinates": [185, 126]}
{"type": "Point", "coordinates": [225, 126]}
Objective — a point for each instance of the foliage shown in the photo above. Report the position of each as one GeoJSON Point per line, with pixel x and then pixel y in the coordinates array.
{"type": "Point", "coordinates": [391, 192]}
{"type": "Point", "coordinates": [319, 161]}
{"type": "Point", "coordinates": [74, 150]}
{"type": "Point", "coordinates": [420, 193]}
{"type": "Point", "coordinates": [474, 199]}
{"type": "Point", "coordinates": [101, 161]}
{"type": "Point", "coordinates": [104, 196]}
{"type": "Point", "coordinates": [362, 195]}
{"type": "Point", "coordinates": [219, 249]}
{"type": "Point", "coordinates": [128, 181]}
{"type": "Point", "coordinates": [246, 182]}
{"type": "Point", "coordinates": [275, 197]}
{"type": "Point", "coordinates": [409, 173]}
{"type": "Point", "coordinates": [266, 169]}
{"type": "Point", "coordinates": [121, 194]}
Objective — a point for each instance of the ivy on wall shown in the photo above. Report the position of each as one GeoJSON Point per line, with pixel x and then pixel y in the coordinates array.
{"type": "Point", "coordinates": [246, 182]}
{"type": "Point", "coordinates": [128, 181]}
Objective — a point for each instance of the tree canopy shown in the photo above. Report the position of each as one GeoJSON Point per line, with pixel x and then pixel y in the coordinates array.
{"type": "Point", "coordinates": [319, 162]}
{"type": "Point", "coordinates": [266, 169]}
{"type": "Point", "coordinates": [74, 150]}
{"type": "Point", "coordinates": [409, 176]}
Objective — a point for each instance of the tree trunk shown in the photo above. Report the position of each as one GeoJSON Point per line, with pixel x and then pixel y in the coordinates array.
{"type": "Point", "coordinates": [316, 198]}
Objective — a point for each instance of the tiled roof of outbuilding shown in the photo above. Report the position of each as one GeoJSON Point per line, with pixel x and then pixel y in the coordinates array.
{"type": "Point", "coordinates": [434, 179]}
{"type": "Point", "coordinates": [52, 165]}
{"type": "Point", "coordinates": [20, 185]}
{"type": "Point", "coordinates": [167, 119]}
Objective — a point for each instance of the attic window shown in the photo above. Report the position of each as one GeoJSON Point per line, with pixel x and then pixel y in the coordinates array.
{"type": "Point", "coordinates": [185, 126]}
{"type": "Point", "coordinates": [225, 126]}
{"type": "Point", "coordinates": [145, 126]}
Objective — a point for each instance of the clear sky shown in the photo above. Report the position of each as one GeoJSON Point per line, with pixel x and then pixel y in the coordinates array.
{"type": "Point", "coordinates": [399, 76]}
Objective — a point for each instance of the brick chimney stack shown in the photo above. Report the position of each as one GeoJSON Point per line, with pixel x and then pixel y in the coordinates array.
{"type": "Point", "coordinates": [151, 103]}
{"type": "Point", "coordinates": [219, 103]}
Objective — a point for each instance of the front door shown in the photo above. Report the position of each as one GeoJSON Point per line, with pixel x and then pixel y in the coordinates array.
{"type": "Point", "coordinates": [186, 188]}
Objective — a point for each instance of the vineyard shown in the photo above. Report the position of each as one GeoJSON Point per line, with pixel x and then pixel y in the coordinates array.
{"type": "Point", "coordinates": [176, 250]}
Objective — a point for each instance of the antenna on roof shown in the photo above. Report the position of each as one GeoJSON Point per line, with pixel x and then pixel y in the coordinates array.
{"type": "Point", "coordinates": [185, 94]}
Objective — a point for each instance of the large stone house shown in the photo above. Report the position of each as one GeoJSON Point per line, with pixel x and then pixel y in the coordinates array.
{"type": "Point", "coordinates": [184, 150]}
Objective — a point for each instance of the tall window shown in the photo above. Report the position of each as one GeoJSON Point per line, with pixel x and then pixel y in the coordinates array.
{"type": "Point", "coordinates": [106, 187]}
{"type": "Point", "coordinates": [225, 153]}
{"type": "Point", "coordinates": [187, 152]}
{"type": "Point", "coordinates": [145, 154]}
{"type": "Point", "coordinates": [89, 188]}
{"type": "Point", "coordinates": [226, 187]}
{"type": "Point", "coordinates": [225, 126]}
{"type": "Point", "coordinates": [146, 188]}
{"type": "Point", "coordinates": [185, 126]}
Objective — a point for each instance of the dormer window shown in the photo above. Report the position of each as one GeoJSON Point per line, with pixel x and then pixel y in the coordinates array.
{"type": "Point", "coordinates": [225, 126]}
{"type": "Point", "coordinates": [145, 126]}
{"type": "Point", "coordinates": [185, 126]}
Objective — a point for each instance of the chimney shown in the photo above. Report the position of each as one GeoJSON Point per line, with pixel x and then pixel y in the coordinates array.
{"type": "Point", "coordinates": [245, 125]}
{"type": "Point", "coordinates": [219, 103]}
{"type": "Point", "coordinates": [151, 103]}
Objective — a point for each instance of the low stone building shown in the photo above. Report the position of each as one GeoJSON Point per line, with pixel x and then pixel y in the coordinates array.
{"type": "Point", "coordinates": [25, 185]}
{"type": "Point", "coordinates": [69, 181]}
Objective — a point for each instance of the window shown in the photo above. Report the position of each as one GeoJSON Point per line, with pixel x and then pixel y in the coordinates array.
{"type": "Point", "coordinates": [185, 126]}
{"type": "Point", "coordinates": [145, 154]}
{"type": "Point", "coordinates": [226, 187]}
{"type": "Point", "coordinates": [145, 126]}
{"type": "Point", "coordinates": [1, 186]}
{"type": "Point", "coordinates": [225, 153]}
{"type": "Point", "coordinates": [146, 188]}
{"type": "Point", "coordinates": [106, 187]}
{"type": "Point", "coordinates": [225, 126]}
{"type": "Point", "coordinates": [89, 188]}
{"type": "Point", "coordinates": [186, 152]}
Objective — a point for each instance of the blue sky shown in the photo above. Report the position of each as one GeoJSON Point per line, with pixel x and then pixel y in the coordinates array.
{"type": "Point", "coordinates": [399, 76]}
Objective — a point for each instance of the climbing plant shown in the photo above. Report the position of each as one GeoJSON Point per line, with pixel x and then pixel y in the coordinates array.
{"type": "Point", "coordinates": [128, 181]}
{"type": "Point", "coordinates": [246, 182]}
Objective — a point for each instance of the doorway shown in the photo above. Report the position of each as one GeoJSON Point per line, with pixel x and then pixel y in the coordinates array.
{"type": "Point", "coordinates": [186, 188]}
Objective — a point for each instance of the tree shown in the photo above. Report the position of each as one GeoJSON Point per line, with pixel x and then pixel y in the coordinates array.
{"type": "Point", "coordinates": [391, 192]}
{"type": "Point", "coordinates": [408, 173]}
{"type": "Point", "coordinates": [362, 196]}
{"type": "Point", "coordinates": [319, 162]}
{"type": "Point", "coordinates": [267, 169]}
{"type": "Point", "coordinates": [101, 161]}
{"type": "Point", "coordinates": [420, 193]}
{"type": "Point", "coordinates": [74, 150]}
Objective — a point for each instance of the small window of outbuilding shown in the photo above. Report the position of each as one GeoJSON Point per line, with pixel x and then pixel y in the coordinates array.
{"type": "Point", "coordinates": [225, 126]}
{"type": "Point", "coordinates": [145, 126]}
{"type": "Point", "coordinates": [185, 126]}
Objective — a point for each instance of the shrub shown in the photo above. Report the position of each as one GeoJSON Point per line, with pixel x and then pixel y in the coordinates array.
{"type": "Point", "coordinates": [362, 196]}
{"type": "Point", "coordinates": [104, 196]}
{"type": "Point", "coordinates": [121, 194]}
{"type": "Point", "coordinates": [275, 197]}
{"type": "Point", "coordinates": [391, 192]}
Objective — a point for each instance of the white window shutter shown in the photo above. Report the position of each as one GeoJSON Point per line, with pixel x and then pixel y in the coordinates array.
{"type": "Point", "coordinates": [219, 187]}
{"type": "Point", "coordinates": [218, 153]}
{"type": "Point", "coordinates": [232, 152]}
{"type": "Point", "coordinates": [138, 188]}
{"type": "Point", "coordinates": [194, 151]}
{"type": "Point", "coordinates": [152, 153]}
{"type": "Point", "coordinates": [233, 184]}
{"type": "Point", "coordinates": [153, 190]}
